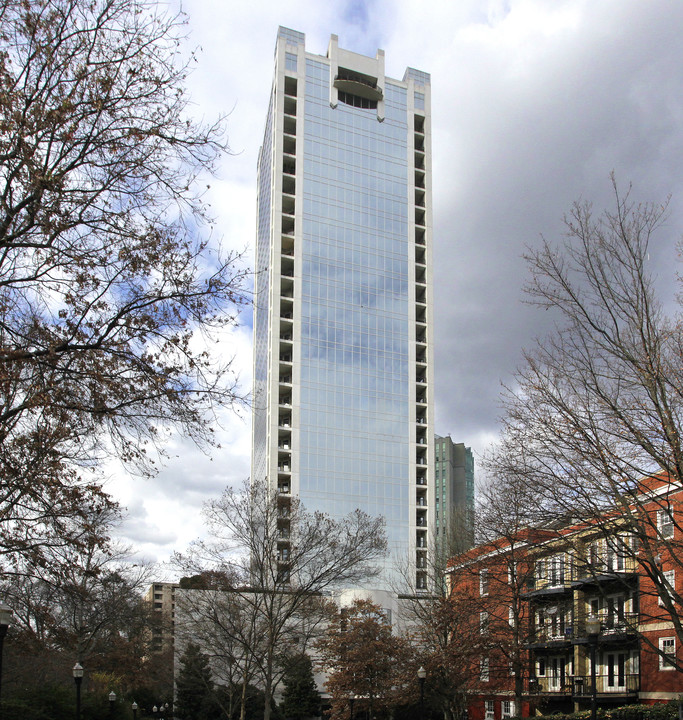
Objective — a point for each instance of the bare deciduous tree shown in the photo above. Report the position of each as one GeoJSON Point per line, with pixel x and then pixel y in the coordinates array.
{"type": "Point", "coordinates": [281, 560]}
{"type": "Point", "coordinates": [442, 625]}
{"type": "Point", "coordinates": [107, 274]}
{"type": "Point", "coordinates": [86, 608]}
{"type": "Point", "coordinates": [597, 407]}
{"type": "Point", "coordinates": [506, 516]}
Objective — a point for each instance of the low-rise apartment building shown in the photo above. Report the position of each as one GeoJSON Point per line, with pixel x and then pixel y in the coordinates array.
{"type": "Point", "coordinates": [579, 603]}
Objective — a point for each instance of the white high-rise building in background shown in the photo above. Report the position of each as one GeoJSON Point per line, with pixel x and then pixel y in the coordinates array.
{"type": "Point", "coordinates": [343, 351]}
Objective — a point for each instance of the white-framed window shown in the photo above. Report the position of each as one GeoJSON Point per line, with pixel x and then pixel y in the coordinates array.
{"type": "Point", "coordinates": [483, 582]}
{"type": "Point", "coordinates": [670, 578]}
{"type": "Point", "coordinates": [489, 709]}
{"type": "Point", "coordinates": [507, 708]}
{"type": "Point", "coordinates": [616, 558]}
{"type": "Point", "coordinates": [483, 622]}
{"type": "Point", "coordinates": [555, 621]}
{"type": "Point", "coordinates": [511, 616]}
{"type": "Point", "coordinates": [665, 522]}
{"type": "Point", "coordinates": [556, 571]}
{"type": "Point", "coordinates": [667, 649]}
{"type": "Point", "coordinates": [594, 554]}
{"type": "Point", "coordinates": [484, 672]}
{"type": "Point", "coordinates": [594, 605]}
{"type": "Point", "coordinates": [540, 667]}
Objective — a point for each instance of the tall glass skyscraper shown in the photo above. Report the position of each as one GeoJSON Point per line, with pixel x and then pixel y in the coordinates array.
{"type": "Point", "coordinates": [343, 377]}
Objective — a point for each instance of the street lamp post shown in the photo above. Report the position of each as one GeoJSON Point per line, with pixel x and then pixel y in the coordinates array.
{"type": "Point", "coordinates": [533, 693]}
{"type": "Point", "coordinates": [421, 675]}
{"type": "Point", "coordinates": [593, 630]}
{"type": "Point", "coordinates": [5, 622]}
{"type": "Point", "coordinates": [112, 700]}
{"type": "Point", "coordinates": [78, 679]}
{"type": "Point", "coordinates": [134, 706]}
{"type": "Point", "coordinates": [351, 701]}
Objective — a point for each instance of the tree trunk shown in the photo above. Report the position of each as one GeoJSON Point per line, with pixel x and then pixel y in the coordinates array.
{"type": "Point", "coordinates": [267, 696]}
{"type": "Point", "coordinates": [243, 704]}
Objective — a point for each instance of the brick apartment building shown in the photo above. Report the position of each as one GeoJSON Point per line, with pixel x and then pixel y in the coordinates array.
{"type": "Point", "coordinates": [551, 599]}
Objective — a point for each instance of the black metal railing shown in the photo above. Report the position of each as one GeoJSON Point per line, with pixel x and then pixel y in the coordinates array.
{"type": "Point", "coordinates": [586, 572]}
{"type": "Point", "coordinates": [605, 684]}
{"type": "Point", "coordinates": [580, 685]}
{"type": "Point", "coordinates": [552, 634]}
{"type": "Point", "coordinates": [611, 623]}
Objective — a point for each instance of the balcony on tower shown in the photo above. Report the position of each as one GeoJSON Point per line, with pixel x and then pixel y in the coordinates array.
{"type": "Point", "coordinates": [289, 165]}
{"type": "Point", "coordinates": [290, 124]}
{"type": "Point", "coordinates": [289, 145]}
{"type": "Point", "coordinates": [287, 267]}
{"type": "Point", "coordinates": [290, 106]}
{"type": "Point", "coordinates": [287, 224]}
{"type": "Point", "coordinates": [287, 287]}
{"type": "Point", "coordinates": [286, 309]}
{"type": "Point", "coordinates": [288, 185]}
{"type": "Point", "coordinates": [286, 350]}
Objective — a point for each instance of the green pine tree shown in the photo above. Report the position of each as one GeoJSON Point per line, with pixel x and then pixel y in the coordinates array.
{"type": "Point", "coordinates": [194, 685]}
{"type": "Point", "coordinates": [300, 697]}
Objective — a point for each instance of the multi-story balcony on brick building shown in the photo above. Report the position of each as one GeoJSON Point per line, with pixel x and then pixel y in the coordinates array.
{"type": "Point", "coordinates": [599, 600]}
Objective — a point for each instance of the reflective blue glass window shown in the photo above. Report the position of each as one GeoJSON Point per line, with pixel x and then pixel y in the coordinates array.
{"type": "Point", "coordinates": [290, 61]}
{"type": "Point", "coordinates": [354, 409]}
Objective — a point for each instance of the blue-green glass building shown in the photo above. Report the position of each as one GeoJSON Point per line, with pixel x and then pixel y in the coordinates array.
{"type": "Point", "coordinates": [343, 371]}
{"type": "Point", "coordinates": [453, 495]}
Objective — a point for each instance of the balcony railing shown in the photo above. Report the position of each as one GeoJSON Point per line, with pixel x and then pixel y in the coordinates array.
{"type": "Point", "coordinates": [602, 570]}
{"type": "Point", "coordinates": [581, 685]}
{"type": "Point", "coordinates": [607, 683]}
{"type": "Point", "coordinates": [551, 686]}
{"type": "Point", "coordinates": [552, 585]}
{"type": "Point", "coordinates": [611, 624]}
{"type": "Point", "coordinates": [549, 634]}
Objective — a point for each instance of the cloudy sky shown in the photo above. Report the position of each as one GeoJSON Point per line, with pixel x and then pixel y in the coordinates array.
{"type": "Point", "coordinates": [534, 103]}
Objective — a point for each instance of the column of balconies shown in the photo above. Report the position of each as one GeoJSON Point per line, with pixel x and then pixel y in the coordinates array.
{"type": "Point", "coordinates": [421, 379]}
{"type": "Point", "coordinates": [286, 326]}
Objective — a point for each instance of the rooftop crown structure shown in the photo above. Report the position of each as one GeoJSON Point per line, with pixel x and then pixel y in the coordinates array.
{"type": "Point", "coordinates": [343, 373]}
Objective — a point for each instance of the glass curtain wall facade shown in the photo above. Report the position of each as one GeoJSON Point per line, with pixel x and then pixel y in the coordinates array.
{"type": "Point", "coordinates": [343, 356]}
{"type": "Point", "coordinates": [454, 496]}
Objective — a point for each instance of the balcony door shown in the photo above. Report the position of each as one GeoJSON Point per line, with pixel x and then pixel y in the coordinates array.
{"type": "Point", "coordinates": [616, 663]}
{"type": "Point", "coordinates": [615, 615]}
{"type": "Point", "coordinates": [556, 673]}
